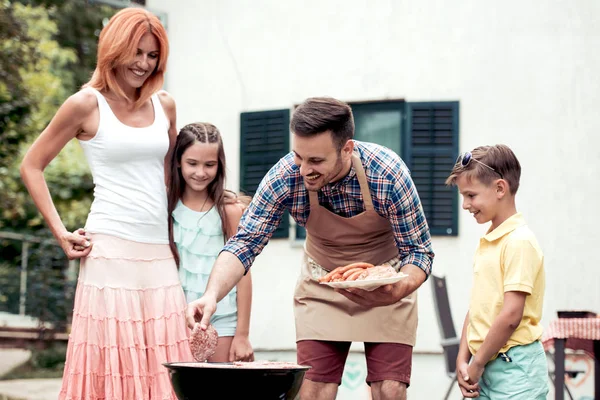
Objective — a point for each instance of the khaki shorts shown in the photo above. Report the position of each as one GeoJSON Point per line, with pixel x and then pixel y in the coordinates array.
{"type": "Point", "coordinates": [385, 361]}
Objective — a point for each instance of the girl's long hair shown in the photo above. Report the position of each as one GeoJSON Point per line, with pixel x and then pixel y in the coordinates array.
{"type": "Point", "coordinates": [188, 135]}
{"type": "Point", "coordinates": [118, 45]}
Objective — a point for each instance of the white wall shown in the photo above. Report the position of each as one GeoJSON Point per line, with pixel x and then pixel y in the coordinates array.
{"type": "Point", "coordinates": [525, 73]}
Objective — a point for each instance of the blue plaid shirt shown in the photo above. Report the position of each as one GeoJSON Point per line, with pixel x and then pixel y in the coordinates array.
{"type": "Point", "coordinates": [394, 198]}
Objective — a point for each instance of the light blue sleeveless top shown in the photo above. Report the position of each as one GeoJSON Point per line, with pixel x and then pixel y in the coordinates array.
{"type": "Point", "coordinates": [199, 239]}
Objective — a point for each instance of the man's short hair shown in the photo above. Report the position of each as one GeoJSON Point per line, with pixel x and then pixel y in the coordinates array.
{"type": "Point", "coordinates": [320, 114]}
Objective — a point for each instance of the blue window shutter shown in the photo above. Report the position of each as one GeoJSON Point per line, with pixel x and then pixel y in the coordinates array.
{"type": "Point", "coordinates": [264, 139]}
{"type": "Point", "coordinates": [430, 149]}
{"type": "Point", "coordinates": [300, 232]}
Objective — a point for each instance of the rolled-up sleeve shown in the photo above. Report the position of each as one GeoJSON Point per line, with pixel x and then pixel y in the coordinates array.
{"type": "Point", "coordinates": [260, 219]}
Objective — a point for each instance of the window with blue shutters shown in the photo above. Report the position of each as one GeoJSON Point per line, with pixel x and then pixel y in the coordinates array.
{"type": "Point", "coordinates": [380, 122]}
{"type": "Point", "coordinates": [264, 139]}
{"type": "Point", "coordinates": [430, 150]}
{"type": "Point", "coordinates": [424, 134]}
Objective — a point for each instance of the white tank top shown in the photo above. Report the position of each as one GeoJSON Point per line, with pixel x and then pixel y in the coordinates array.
{"type": "Point", "coordinates": [127, 164]}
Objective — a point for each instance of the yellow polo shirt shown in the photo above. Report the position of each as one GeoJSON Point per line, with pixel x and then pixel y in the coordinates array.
{"type": "Point", "coordinates": [507, 259]}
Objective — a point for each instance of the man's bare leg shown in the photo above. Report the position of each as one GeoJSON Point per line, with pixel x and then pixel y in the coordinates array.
{"type": "Point", "coordinates": [311, 390]}
{"type": "Point", "coordinates": [388, 390]}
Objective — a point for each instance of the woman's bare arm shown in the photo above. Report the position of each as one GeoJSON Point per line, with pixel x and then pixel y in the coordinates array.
{"type": "Point", "coordinates": [76, 116]}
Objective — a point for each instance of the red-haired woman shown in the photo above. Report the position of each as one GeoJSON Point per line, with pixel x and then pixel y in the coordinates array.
{"type": "Point", "coordinates": [129, 305]}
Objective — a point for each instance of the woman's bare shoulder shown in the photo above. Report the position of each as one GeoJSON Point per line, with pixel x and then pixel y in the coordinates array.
{"type": "Point", "coordinates": [83, 102]}
{"type": "Point", "coordinates": [167, 101]}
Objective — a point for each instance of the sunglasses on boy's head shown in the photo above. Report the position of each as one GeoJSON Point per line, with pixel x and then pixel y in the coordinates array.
{"type": "Point", "coordinates": [465, 158]}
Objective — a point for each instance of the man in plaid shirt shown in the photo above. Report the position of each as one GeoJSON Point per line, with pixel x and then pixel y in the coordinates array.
{"type": "Point", "coordinates": [358, 203]}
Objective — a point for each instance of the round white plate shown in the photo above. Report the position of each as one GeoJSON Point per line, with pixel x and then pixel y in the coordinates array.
{"type": "Point", "coordinates": [368, 285]}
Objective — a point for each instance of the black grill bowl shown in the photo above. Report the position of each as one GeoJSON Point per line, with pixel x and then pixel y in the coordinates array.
{"type": "Point", "coordinates": [224, 381]}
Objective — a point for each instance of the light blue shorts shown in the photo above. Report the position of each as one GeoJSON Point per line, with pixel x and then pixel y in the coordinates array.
{"type": "Point", "coordinates": [519, 374]}
{"type": "Point", "coordinates": [224, 324]}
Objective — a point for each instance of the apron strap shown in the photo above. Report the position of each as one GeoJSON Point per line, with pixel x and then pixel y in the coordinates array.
{"type": "Point", "coordinates": [313, 198]}
{"type": "Point", "coordinates": [362, 180]}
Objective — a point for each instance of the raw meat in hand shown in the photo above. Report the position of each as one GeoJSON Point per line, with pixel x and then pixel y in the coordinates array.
{"type": "Point", "coordinates": [203, 343]}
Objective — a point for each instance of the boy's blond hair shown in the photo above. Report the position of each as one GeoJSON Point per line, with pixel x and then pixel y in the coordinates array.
{"type": "Point", "coordinates": [500, 159]}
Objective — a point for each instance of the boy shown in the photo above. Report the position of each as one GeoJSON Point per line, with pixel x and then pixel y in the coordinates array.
{"type": "Point", "coordinates": [502, 328]}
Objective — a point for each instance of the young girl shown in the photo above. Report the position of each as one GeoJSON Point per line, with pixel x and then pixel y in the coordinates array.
{"type": "Point", "coordinates": [203, 217]}
{"type": "Point", "coordinates": [129, 313]}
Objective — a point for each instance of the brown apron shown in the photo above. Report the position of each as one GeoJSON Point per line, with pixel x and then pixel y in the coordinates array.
{"type": "Point", "coordinates": [333, 241]}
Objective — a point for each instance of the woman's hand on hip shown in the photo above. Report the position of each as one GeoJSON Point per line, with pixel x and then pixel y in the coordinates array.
{"type": "Point", "coordinates": [241, 349]}
{"type": "Point", "coordinates": [76, 244]}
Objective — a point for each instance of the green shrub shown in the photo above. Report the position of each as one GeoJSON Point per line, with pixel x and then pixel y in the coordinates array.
{"type": "Point", "coordinates": [9, 287]}
{"type": "Point", "coordinates": [51, 358]}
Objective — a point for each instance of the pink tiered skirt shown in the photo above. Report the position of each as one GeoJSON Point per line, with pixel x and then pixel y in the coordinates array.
{"type": "Point", "coordinates": [129, 318]}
